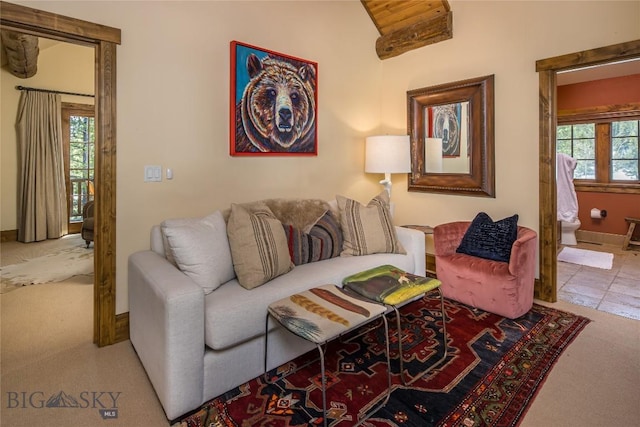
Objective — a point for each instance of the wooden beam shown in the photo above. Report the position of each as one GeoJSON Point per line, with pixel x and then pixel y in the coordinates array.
{"type": "Point", "coordinates": [105, 181]}
{"type": "Point", "coordinates": [415, 36]}
{"type": "Point", "coordinates": [21, 53]}
{"type": "Point", "coordinates": [601, 55]}
{"type": "Point", "coordinates": [25, 18]}
{"type": "Point", "coordinates": [546, 288]}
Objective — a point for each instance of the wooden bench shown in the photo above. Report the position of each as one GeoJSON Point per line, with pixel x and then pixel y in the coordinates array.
{"type": "Point", "coordinates": [628, 240]}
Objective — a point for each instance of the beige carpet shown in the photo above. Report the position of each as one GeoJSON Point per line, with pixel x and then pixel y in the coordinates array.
{"type": "Point", "coordinates": [46, 334]}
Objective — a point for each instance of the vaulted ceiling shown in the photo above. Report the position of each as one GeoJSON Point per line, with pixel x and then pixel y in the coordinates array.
{"type": "Point", "coordinates": [405, 25]}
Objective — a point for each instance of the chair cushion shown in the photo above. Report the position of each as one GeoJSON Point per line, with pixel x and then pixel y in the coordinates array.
{"type": "Point", "coordinates": [367, 229]}
{"type": "Point", "coordinates": [488, 239]}
{"type": "Point", "coordinates": [200, 249]}
{"type": "Point", "coordinates": [258, 246]}
{"type": "Point", "coordinates": [323, 313]}
{"type": "Point", "coordinates": [389, 284]}
{"type": "Point", "coordinates": [87, 224]}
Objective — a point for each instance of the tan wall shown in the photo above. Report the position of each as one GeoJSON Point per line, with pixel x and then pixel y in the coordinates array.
{"type": "Point", "coordinates": [61, 66]}
{"type": "Point", "coordinates": [504, 38]}
{"type": "Point", "coordinates": [173, 90]}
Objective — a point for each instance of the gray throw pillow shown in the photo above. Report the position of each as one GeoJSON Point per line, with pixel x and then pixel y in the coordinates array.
{"type": "Point", "coordinates": [200, 249]}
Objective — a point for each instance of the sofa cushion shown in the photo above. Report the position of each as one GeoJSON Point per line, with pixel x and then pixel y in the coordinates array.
{"type": "Point", "coordinates": [258, 245]}
{"type": "Point", "coordinates": [199, 248]}
{"type": "Point", "coordinates": [488, 239]}
{"type": "Point", "coordinates": [323, 241]}
{"type": "Point", "coordinates": [234, 314]}
{"type": "Point", "coordinates": [367, 229]}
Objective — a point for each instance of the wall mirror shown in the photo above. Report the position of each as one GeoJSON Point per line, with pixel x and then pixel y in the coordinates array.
{"type": "Point", "coordinates": [451, 127]}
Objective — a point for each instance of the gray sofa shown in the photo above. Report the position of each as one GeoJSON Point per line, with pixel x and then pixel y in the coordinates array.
{"type": "Point", "coordinates": [195, 346]}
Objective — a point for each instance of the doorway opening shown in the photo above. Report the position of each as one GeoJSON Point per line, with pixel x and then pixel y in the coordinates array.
{"type": "Point", "coordinates": [108, 328]}
{"type": "Point", "coordinates": [546, 287]}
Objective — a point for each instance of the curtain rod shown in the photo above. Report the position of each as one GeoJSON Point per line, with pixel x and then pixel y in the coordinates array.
{"type": "Point", "coordinates": [53, 91]}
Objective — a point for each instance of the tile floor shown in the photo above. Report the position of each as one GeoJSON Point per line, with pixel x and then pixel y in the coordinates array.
{"type": "Point", "coordinates": [615, 291]}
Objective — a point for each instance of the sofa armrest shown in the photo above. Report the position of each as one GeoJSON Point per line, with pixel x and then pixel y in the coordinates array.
{"type": "Point", "coordinates": [166, 321]}
{"type": "Point", "coordinates": [413, 242]}
{"type": "Point", "coordinates": [447, 237]}
{"type": "Point", "coordinates": [523, 253]}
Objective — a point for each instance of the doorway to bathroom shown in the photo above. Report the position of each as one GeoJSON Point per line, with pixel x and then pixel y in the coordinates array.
{"type": "Point", "coordinates": [549, 70]}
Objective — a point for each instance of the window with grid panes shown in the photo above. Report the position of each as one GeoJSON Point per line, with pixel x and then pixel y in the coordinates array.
{"type": "Point", "coordinates": [579, 142]}
{"type": "Point", "coordinates": [79, 130]}
{"type": "Point", "coordinates": [606, 149]}
{"type": "Point", "coordinates": [624, 150]}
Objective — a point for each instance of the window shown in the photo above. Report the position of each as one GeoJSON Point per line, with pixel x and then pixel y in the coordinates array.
{"type": "Point", "coordinates": [79, 136]}
{"type": "Point", "coordinates": [605, 142]}
{"type": "Point", "coordinates": [624, 150]}
{"type": "Point", "coordinates": [579, 142]}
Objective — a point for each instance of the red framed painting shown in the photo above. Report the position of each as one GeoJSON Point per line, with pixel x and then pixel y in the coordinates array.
{"type": "Point", "coordinates": [274, 103]}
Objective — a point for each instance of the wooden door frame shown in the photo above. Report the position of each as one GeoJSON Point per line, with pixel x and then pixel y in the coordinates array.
{"type": "Point", "coordinates": [107, 330]}
{"type": "Point", "coordinates": [546, 286]}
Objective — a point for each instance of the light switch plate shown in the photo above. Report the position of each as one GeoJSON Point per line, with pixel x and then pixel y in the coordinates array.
{"type": "Point", "coordinates": [152, 173]}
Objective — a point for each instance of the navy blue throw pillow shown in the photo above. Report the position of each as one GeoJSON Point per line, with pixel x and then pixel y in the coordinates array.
{"type": "Point", "coordinates": [488, 239]}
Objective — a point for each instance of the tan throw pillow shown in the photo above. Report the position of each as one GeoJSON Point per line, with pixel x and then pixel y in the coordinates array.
{"type": "Point", "coordinates": [258, 246]}
{"type": "Point", "coordinates": [368, 229]}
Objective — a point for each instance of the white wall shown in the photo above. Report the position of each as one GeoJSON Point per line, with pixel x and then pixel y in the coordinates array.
{"type": "Point", "coordinates": [173, 100]}
{"type": "Point", "coordinates": [61, 66]}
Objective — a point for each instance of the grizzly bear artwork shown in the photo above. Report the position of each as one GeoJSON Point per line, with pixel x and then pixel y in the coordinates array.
{"type": "Point", "coordinates": [277, 111]}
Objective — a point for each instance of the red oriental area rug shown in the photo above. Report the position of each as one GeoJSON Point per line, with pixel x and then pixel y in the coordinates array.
{"type": "Point", "coordinates": [493, 370]}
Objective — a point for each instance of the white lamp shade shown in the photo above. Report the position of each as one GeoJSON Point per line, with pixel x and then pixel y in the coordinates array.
{"type": "Point", "coordinates": [387, 154]}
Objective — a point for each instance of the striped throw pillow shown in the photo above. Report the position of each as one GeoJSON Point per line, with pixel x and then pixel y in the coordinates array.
{"type": "Point", "coordinates": [258, 246]}
{"type": "Point", "coordinates": [323, 241]}
{"type": "Point", "coordinates": [368, 229]}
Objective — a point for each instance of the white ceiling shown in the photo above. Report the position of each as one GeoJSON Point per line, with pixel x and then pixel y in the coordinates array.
{"type": "Point", "coordinates": [606, 71]}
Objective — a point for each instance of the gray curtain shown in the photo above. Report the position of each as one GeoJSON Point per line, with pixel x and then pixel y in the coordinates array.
{"type": "Point", "coordinates": [42, 196]}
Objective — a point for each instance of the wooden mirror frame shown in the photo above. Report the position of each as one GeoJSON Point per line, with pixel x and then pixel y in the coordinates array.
{"type": "Point", "coordinates": [480, 181]}
{"type": "Point", "coordinates": [108, 328]}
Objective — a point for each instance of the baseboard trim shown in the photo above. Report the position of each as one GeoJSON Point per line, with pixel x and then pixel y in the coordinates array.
{"type": "Point", "coordinates": [122, 327]}
{"type": "Point", "coordinates": [602, 238]}
{"type": "Point", "coordinates": [8, 236]}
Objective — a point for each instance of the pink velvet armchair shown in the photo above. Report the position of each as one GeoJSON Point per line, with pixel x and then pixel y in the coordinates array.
{"type": "Point", "coordinates": [498, 287]}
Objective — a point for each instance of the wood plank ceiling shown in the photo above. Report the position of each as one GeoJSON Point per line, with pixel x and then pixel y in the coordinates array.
{"type": "Point", "coordinates": [405, 25]}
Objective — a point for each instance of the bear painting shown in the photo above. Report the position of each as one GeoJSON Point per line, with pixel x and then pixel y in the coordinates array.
{"type": "Point", "coordinates": [274, 104]}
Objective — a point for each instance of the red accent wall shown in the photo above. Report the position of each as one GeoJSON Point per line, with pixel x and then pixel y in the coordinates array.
{"type": "Point", "coordinates": [619, 90]}
{"type": "Point", "coordinates": [618, 206]}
